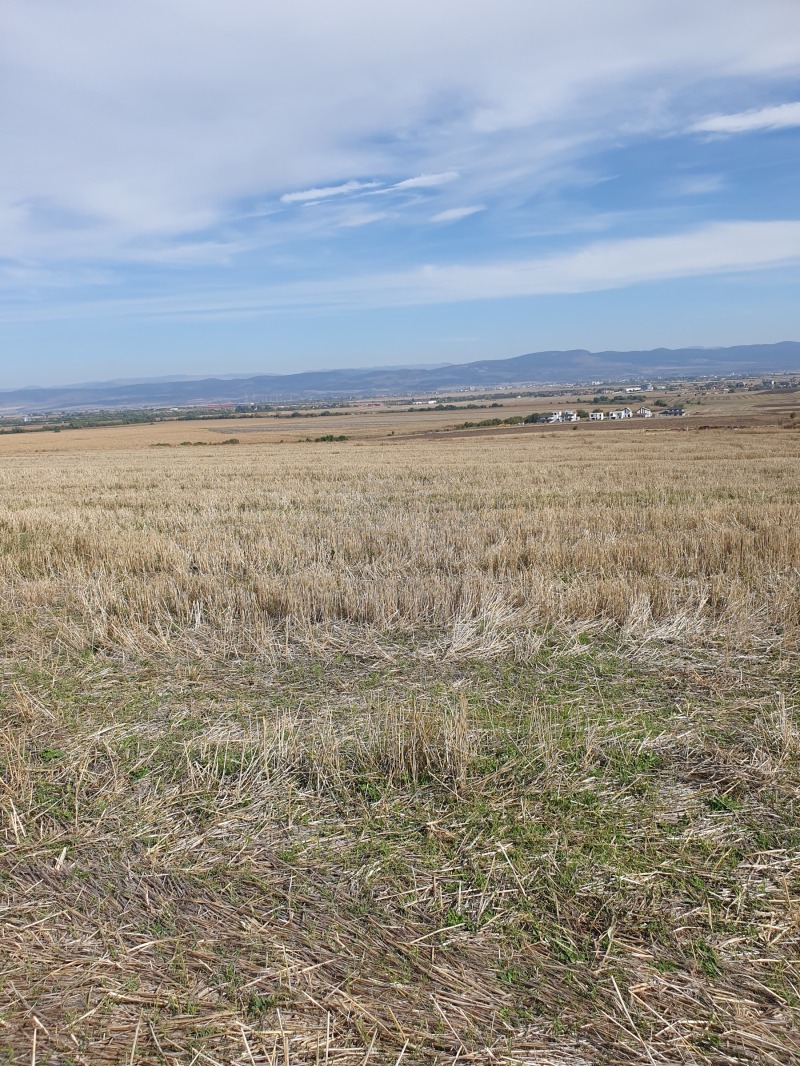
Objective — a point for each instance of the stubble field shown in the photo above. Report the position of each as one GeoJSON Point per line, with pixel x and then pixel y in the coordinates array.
{"type": "Point", "coordinates": [384, 751]}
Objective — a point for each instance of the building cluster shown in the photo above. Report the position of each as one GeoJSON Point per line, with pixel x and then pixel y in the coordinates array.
{"type": "Point", "coordinates": [599, 416]}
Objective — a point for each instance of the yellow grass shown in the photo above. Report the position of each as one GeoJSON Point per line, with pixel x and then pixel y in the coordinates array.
{"type": "Point", "coordinates": [452, 750]}
{"type": "Point", "coordinates": [642, 531]}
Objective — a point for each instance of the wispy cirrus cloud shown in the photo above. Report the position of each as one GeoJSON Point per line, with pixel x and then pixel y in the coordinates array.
{"type": "Point", "coordinates": [362, 219]}
{"type": "Point", "coordinates": [428, 181]}
{"type": "Point", "coordinates": [696, 184]}
{"type": "Point", "coordinates": [781, 116]}
{"type": "Point", "coordinates": [308, 195]}
{"type": "Point", "coordinates": [715, 249]}
{"type": "Point", "coordinates": [455, 214]}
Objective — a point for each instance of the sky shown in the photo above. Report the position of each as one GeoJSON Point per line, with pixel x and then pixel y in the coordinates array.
{"type": "Point", "coordinates": [190, 187]}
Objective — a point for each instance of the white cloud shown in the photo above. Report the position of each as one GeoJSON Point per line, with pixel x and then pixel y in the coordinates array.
{"type": "Point", "coordinates": [161, 119]}
{"type": "Point", "coordinates": [314, 195]}
{"type": "Point", "coordinates": [427, 181]}
{"type": "Point", "coordinates": [696, 185]}
{"type": "Point", "coordinates": [366, 219]}
{"type": "Point", "coordinates": [716, 249]}
{"type": "Point", "coordinates": [782, 116]}
{"type": "Point", "coordinates": [454, 214]}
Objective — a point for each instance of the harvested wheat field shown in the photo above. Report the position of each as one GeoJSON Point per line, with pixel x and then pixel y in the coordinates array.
{"type": "Point", "coordinates": [447, 751]}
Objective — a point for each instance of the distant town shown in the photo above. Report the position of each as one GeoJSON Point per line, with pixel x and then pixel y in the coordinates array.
{"type": "Point", "coordinates": [595, 401]}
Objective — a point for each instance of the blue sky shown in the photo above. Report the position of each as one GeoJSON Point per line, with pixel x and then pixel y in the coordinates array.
{"type": "Point", "coordinates": [192, 187]}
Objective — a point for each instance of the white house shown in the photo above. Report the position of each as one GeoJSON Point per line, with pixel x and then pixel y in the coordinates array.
{"type": "Point", "coordinates": [597, 416]}
{"type": "Point", "coordinates": [624, 413]}
{"type": "Point", "coordinates": [556, 416]}
{"type": "Point", "coordinates": [644, 412]}
{"type": "Point", "coordinates": [569, 416]}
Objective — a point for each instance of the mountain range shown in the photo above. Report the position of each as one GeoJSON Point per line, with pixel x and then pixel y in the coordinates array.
{"type": "Point", "coordinates": [577, 366]}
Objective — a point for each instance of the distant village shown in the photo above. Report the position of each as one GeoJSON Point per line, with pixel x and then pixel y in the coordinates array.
{"type": "Point", "coordinates": [625, 412]}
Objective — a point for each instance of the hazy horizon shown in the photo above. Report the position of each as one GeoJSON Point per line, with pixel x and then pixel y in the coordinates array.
{"type": "Point", "coordinates": [722, 369]}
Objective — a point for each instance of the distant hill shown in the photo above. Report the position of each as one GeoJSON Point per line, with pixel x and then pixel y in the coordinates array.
{"type": "Point", "coordinates": [576, 366]}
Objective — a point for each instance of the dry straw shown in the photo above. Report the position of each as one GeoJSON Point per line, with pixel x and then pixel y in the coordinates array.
{"type": "Point", "coordinates": [450, 752]}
